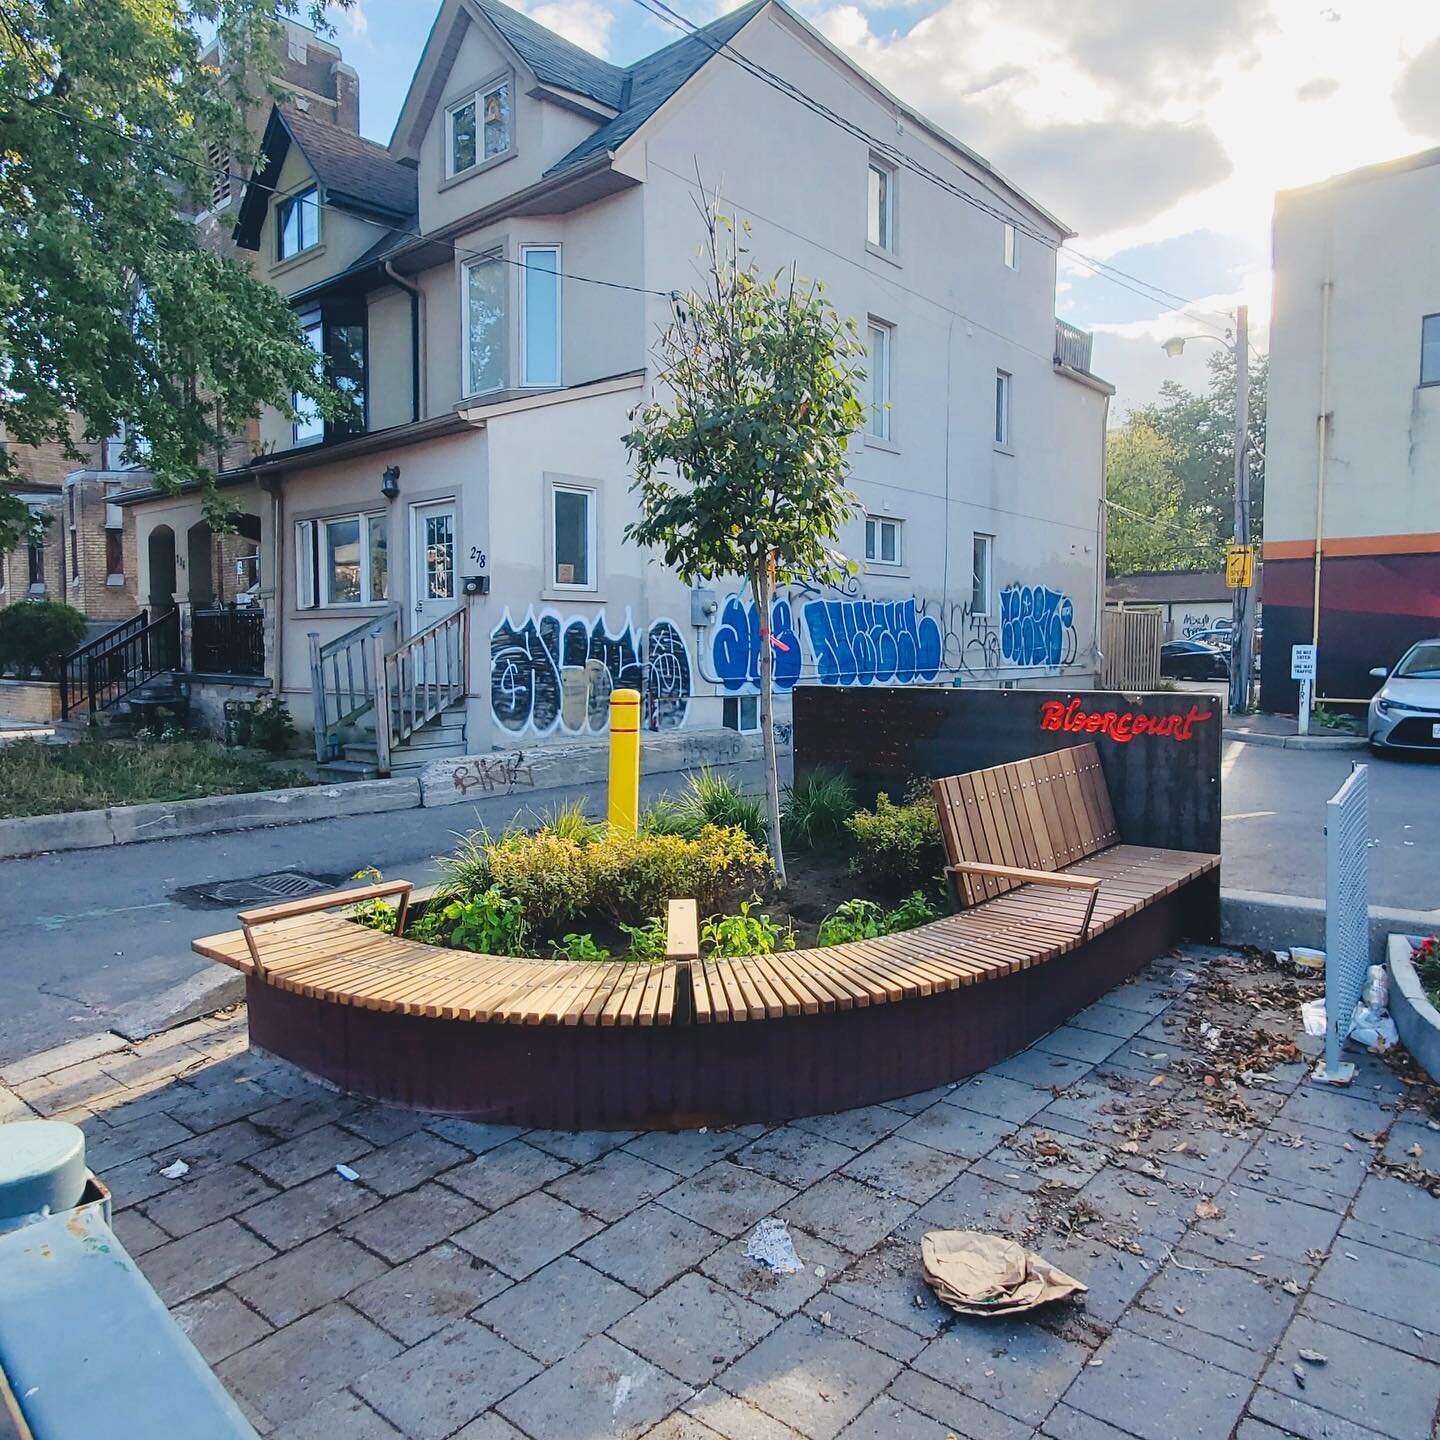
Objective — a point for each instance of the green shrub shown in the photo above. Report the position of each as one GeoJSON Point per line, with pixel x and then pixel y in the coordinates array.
{"type": "Point", "coordinates": [747, 933]}
{"type": "Point", "coordinates": [578, 947]}
{"type": "Point", "coordinates": [669, 816]}
{"type": "Point", "coordinates": [37, 635]}
{"type": "Point", "coordinates": [913, 910]}
{"type": "Point", "coordinates": [570, 822]}
{"type": "Point", "coordinates": [467, 869]}
{"type": "Point", "coordinates": [897, 847]}
{"type": "Point", "coordinates": [716, 800]}
{"type": "Point", "coordinates": [546, 873]}
{"type": "Point", "coordinates": [632, 876]}
{"type": "Point", "coordinates": [489, 923]}
{"type": "Point", "coordinates": [852, 920]}
{"type": "Point", "coordinates": [816, 808]}
{"type": "Point", "coordinates": [373, 914]}
{"type": "Point", "coordinates": [272, 727]}
{"type": "Point", "coordinates": [648, 942]}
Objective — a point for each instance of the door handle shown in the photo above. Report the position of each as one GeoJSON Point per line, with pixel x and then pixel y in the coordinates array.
{"type": "Point", "coordinates": [419, 607]}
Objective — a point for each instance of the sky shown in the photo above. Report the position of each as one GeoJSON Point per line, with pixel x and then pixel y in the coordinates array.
{"type": "Point", "coordinates": [1159, 130]}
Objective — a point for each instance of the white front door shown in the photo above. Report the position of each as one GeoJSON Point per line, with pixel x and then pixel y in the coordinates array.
{"type": "Point", "coordinates": [434, 585]}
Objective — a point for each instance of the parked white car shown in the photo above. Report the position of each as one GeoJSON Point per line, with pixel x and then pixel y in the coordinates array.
{"type": "Point", "coordinates": [1405, 711]}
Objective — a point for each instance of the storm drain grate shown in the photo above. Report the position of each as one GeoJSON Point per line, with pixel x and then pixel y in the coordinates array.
{"type": "Point", "coordinates": [287, 885]}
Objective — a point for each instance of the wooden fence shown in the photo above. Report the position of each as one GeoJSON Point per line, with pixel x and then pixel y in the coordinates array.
{"type": "Point", "coordinates": [1132, 649]}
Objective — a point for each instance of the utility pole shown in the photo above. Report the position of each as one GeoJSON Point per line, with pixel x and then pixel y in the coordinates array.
{"type": "Point", "coordinates": [1244, 629]}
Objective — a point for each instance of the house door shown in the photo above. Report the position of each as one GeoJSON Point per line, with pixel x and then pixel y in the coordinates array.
{"type": "Point", "coordinates": [434, 586]}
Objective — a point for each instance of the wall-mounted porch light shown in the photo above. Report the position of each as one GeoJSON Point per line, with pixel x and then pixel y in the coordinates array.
{"type": "Point", "coordinates": [390, 482]}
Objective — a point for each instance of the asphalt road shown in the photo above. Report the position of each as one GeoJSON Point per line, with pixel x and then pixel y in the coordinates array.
{"type": "Point", "coordinates": [91, 930]}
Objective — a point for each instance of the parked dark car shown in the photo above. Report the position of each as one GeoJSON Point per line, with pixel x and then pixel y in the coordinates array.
{"type": "Point", "coordinates": [1193, 660]}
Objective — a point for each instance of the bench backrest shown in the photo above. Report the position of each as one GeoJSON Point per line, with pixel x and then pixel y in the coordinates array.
{"type": "Point", "coordinates": [1039, 814]}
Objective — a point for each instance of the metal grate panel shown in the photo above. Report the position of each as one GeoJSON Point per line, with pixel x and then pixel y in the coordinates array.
{"type": "Point", "coordinates": [287, 885]}
{"type": "Point", "coordinates": [1347, 907]}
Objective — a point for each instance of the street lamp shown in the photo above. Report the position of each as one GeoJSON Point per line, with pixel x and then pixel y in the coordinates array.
{"type": "Point", "coordinates": [1244, 628]}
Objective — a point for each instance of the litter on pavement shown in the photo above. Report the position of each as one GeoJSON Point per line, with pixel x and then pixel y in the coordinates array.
{"type": "Point", "coordinates": [770, 1245]}
{"type": "Point", "coordinates": [979, 1274]}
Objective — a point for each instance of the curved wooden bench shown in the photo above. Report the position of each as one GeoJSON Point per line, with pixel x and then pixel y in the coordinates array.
{"type": "Point", "coordinates": [621, 1044]}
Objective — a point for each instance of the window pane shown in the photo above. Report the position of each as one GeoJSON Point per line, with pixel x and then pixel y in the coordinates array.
{"type": "Point", "coordinates": [572, 537]}
{"type": "Point", "coordinates": [379, 560]}
{"type": "Point", "coordinates": [1002, 407]}
{"type": "Point", "coordinates": [980, 576]}
{"type": "Point", "coordinates": [440, 556]}
{"type": "Point", "coordinates": [878, 230]}
{"type": "Point", "coordinates": [298, 222]}
{"type": "Point", "coordinates": [1010, 246]}
{"type": "Point", "coordinates": [542, 317]}
{"type": "Point", "coordinates": [462, 137]}
{"type": "Point", "coordinates": [486, 301]}
{"type": "Point", "coordinates": [879, 381]}
{"type": "Point", "coordinates": [869, 539]}
{"type": "Point", "coordinates": [1430, 351]}
{"type": "Point", "coordinates": [888, 535]}
{"type": "Point", "coordinates": [497, 121]}
{"type": "Point", "coordinates": [346, 346]}
{"type": "Point", "coordinates": [342, 561]}
{"type": "Point", "coordinates": [309, 425]}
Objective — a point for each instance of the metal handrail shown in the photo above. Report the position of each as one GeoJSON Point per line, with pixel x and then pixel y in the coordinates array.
{"type": "Point", "coordinates": [127, 662]}
{"type": "Point", "coordinates": [338, 695]}
{"type": "Point", "coordinates": [424, 674]}
{"type": "Point", "coordinates": [72, 666]}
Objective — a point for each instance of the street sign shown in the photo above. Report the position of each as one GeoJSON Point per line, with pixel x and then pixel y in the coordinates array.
{"type": "Point", "coordinates": [1239, 566]}
{"type": "Point", "coordinates": [1302, 662]}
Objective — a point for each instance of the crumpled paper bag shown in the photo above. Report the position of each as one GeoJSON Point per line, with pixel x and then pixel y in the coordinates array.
{"type": "Point", "coordinates": [979, 1274]}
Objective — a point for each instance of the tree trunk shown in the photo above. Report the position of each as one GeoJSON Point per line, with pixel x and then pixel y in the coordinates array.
{"type": "Point", "coordinates": [760, 584]}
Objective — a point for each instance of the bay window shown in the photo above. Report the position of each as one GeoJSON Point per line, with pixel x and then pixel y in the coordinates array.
{"type": "Point", "coordinates": [340, 561]}
{"type": "Point", "coordinates": [337, 333]}
{"type": "Point", "coordinates": [540, 307]}
{"type": "Point", "coordinates": [485, 322]}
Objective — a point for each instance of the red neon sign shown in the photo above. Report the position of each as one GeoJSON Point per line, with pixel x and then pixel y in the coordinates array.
{"type": "Point", "coordinates": [1121, 725]}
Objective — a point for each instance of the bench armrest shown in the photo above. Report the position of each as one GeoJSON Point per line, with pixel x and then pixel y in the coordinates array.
{"type": "Point", "coordinates": [289, 909]}
{"type": "Point", "coordinates": [1035, 877]}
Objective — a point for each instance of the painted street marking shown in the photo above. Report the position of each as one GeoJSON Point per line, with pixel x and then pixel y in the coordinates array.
{"type": "Point", "coordinates": [59, 922]}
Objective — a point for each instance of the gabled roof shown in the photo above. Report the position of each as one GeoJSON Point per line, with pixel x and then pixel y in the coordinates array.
{"type": "Point", "coordinates": [553, 58]}
{"type": "Point", "coordinates": [354, 173]}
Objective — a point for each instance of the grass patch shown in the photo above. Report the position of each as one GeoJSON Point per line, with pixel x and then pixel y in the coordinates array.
{"type": "Point", "coordinates": [40, 779]}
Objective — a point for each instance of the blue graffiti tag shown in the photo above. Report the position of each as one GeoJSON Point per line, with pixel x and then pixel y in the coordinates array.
{"type": "Point", "coordinates": [1036, 625]}
{"type": "Point", "coordinates": [869, 642]}
{"type": "Point", "coordinates": [735, 650]}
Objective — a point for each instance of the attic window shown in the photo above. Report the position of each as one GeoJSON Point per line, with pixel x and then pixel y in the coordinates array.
{"type": "Point", "coordinates": [297, 223]}
{"type": "Point", "coordinates": [478, 127]}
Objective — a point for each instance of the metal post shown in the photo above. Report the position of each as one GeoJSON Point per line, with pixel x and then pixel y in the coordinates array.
{"type": "Point", "coordinates": [1347, 917]}
{"type": "Point", "coordinates": [381, 681]}
{"type": "Point", "coordinates": [624, 809]}
{"type": "Point", "coordinates": [1244, 610]}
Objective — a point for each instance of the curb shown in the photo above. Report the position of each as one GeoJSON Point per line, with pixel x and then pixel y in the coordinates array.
{"type": "Point", "coordinates": [1415, 1017]}
{"type": "Point", "coordinates": [1276, 922]}
{"type": "Point", "coordinates": [1297, 742]}
{"type": "Point", "coordinates": [125, 824]}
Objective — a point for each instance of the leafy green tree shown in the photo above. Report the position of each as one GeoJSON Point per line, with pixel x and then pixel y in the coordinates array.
{"type": "Point", "coordinates": [1148, 526]}
{"type": "Point", "coordinates": [112, 308]}
{"type": "Point", "coordinates": [762, 378]}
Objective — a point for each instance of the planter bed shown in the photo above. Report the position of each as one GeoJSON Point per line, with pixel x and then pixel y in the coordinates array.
{"type": "Point", "coordinates": [1416, 1017]}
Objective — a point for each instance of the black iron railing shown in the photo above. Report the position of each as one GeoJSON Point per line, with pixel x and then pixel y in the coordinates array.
{"type": "Point", "coordinates": [228, 641]}
{"type": "Point", "coordinates": [100, 674]}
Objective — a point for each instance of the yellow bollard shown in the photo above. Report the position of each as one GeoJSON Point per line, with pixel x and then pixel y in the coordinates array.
{"type": "Point", "coordinates": [625, 759]}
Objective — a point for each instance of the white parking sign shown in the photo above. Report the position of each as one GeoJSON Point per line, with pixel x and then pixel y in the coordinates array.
{"type": "Point", "coordinates": [1302, 662]}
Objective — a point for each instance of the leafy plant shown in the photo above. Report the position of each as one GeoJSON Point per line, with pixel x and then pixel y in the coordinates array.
{"type": "Point", "coordinates": [373, 914]}
{"type": "Point", "coordinates": [1426, 959]}
{"type": "Point", "coordinates": [467, 869]}
{"type": "Point", "coordinates": [897, 847]}
{"type": "Point", "coordinates": [272, 727]}
{"type": "Point", "coordinates": [913, 910]}
{"type": "Point", "coordinates": [713, 799]}
{"type": "Point", "coordinates": [632, 876]}
{"type": "Point", "coordinates": [648, 942]}
{"type": "Point", "coordinates": [816, 808]}
{"type": "Point", "coordinates": [749, 932]}
{"type": "Point", "coordinates": [1328, 719]}
{"type": "Point", "coordinates": [546, 873]}
{"type": "Point", "coordinates": [489, 923]}
{"type": "Point", "coordinates": [37, 635]}
{"type": "Point", "coordinates": [578, 947]}
{"type": "Point", "coordinates": [852, 920]}
{"type": "Point", "coordinates": [669, 816]}
{"type": "Point", "coordinates": [570, 822]}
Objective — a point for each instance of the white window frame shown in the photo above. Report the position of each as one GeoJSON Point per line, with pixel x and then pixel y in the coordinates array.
{"type": "Point", "coordinates": [741, 709]}
{"type": "Point", "coordinates": [1427, 377]}
{"type": "Point", "coordinates": [312, 575]}
{"type": "Point", "coordinates": [875, 543]}
{"type": "Point", "coordinates": [528, 380]}
{"type": "Point", "coordinates": [1011, 252]}
{"type": "Point", "coordinates": [314, 427]}
{"type": "Point", "coordinates": [982, 583]}
{"type": "Point", "coordinates": [886, 219]}
{"type": "Point", "coordinates": [504, 80]}
{"type": "Point", "coordinates": [495, 255]}
{"type": "Point", "coordinates": [879, 422]}
{"type": "Point", "coordinates": [1004, 390]}
{"type": "Point", "coordinates": [591, 582]}
{"type": "Point", "coordinates": [311, 195]}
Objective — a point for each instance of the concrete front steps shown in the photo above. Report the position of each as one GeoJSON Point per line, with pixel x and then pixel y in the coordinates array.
{"type": "Point", "coordinates": [440, 739]}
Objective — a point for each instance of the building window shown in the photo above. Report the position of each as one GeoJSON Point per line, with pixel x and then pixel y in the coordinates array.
{"type": "Point", "coordinates": [115, 554]}
{"type": "Point", "coordinates": [485, 325]}
{"type": "Point", "coordinates": [479, 128]}
{"type": "Point", "coordinates": [1002, 409]}
{"type": "Point", "coordinates": [881, 337]}
{"type": "Point", "coordinates": [1009, 247]}
{"type": "Point", "coordinates": [574, 537]}
{"type": "Point", "coordinates": [982, 561]}
{"type": "Point", "coordinates": [218, 157]}
{"type": "Point", "coordinates": [71, 508]}
{"type": "Point", "coordinates": [341, 561]}
{"type": "Point", "coordinates": [338, 335]}
{"type": "Point", "coordinates": [1430, 350]}
{"type": "Point", "coordinates": [297, 223]}
{"type": "Point", "coordinates": [880, 219]}
{"type": "Point", "coordinates": [540, 305]}
{"type": "Point", "coordinates": [309, 423]}
{"type": "Point", "coordinates": [741, 712]}
{"type": "Point", "coordinates": [882, 540]}
{"type": "Point", "coordinates": [35, 554]}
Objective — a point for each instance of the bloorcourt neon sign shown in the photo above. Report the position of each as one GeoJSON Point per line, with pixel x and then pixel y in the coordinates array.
{"type": "Point", "coordinates": [1121, 725]}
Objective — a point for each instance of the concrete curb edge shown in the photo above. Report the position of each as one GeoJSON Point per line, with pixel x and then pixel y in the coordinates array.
{"type": "Point", "coordinates": [1298, 742]}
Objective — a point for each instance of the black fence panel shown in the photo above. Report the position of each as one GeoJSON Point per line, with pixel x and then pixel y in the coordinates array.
{"type": "Point", "coordinates": [228, 641]}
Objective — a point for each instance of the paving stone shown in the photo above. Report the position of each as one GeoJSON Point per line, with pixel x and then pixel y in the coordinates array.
{"type": "Point", "coordinates": [505, 1174]}
{"type": "Point", "coordinates": [219, 1324]}
{"type": "Point", "coordinates": [1157, 1393]}
{"type": "Point", "coordinates": [137, 1234]}
{"type": "Point", "coordinates": [1397, 1334]}
{"type": "Point", "coordinates": [897, 1166]}
{"type": "Point", "coordinates": [613, 1185]}
{"type": "Point", "coordinates": [405, 1163]}
{"type": "Point", "coordinates": [726, 1198]}
{"type": "Point", "coordinates": [1113, 1277]}
{"type": "Point", "coordinates": [489, 1427]}
{"type": "Point", "coordinates": [292, 1369]}
{"type": "Point", "coordinates": [403, 1227]}
{"type": "Point", "coordinates": [1107, 1018]}
{"type": "Point", "coordinates": [203, 1260]}
{"type": "Point", "coordinates": [794, 1156]}
{"type": "Point", "coordinates": [865, 1326]}
{"type": "Point", "coordinates": [855, 1128]}
{"type": "Point", "coordinates": [299, 1214]}
{"type": "Point", "coordinates": [309, 1154]}
{"type": "Point", "coordinates": [304, 1279]}
{"type": "Point", "coordinates": [601, 1390]}
{"type": "Point", "coordinates": [1236, 1305]}
{"type": "Point", "coordinates": [579, 1147]}
{"type": "Point", "coordinates": [1017, 1369]}
{"type": "Point", "coordinates": [470, 1135]}
{"type": "Point", "coordinates": [50, 1095]}
{"type": "Point", "coordinates": [1250, 1220]}
{"type": "Point", "coordinates": [1141, 1206]}
{"type": "Point", "coordinates": [136, 1182]}
{"type": "Point", "coordinates": [446, 1381]}
{"type": "Point", "coordinates": [527, 1233]}
{"type": "Point", "coordinates": [885, 1418]}
{"type": "Point", "coordinates": [224, 1145]}
{"type": "Point", "coordinates": [1396, 1205]}
{"type": "Point", "coordinates": [1386, 1239]}
{"type": "Point", "coordinates": [384, 1124]}
{"type": "Point", "coordinates": [193, 1204]}
{"type": "Point", "coordinates": [889, 1282]}
{"type": "Point", "coordinates": [340, 1414]}
{"type": "Point", "coordinates": [956, 1412]}
{"type": "Point", "coordinates": [1407, 1136]}
{"type": "Point", "coordinates": [202, 1108]}
{"type": "Point", "coordinates": [1036, 1157]}
{"type": "Point", "coordinates": [1395, 1286]}
{"type": "Point", "coordinates": [719, 1413]}
{"type": "Point", "coordinates": [1102, 1099]}
{"type": "Point", "coordinates": [1315, 1173]}
{"type": "Point", "coordinates": [693, 1328]}
{"type": "Point", "coordinates": [1064, 1423]}
{"type": "Point", "coordinates": [688, 1152]}
{"type": "Point", "coordinates": [1321, 1107]}
{"type": "Point", "coordinates": [61, 1057]}
{"type": "Point", "coordinates": [1363, 1382]}
{"type": "Point", "coordinates": [973, 1202]}
{"type": "Point", "coordinates": [846, 1213]}
{"type": "Point", "coordinates": [1075, 1043]}
{"type": "Point", "coordinates": [809, 1377]}
{"type": "Point", "coordinates": [1001, 1097]}
{"type": "Point", "coordinates": [921, 1100]}
{"type": "Point", "coordinates": [558, 1309]}
{"type": "Point", "coordinates": [1244, 1365]}
{"type": "Point", "coordinates": [649, 1248]}
{"type": "Point", "coordinates": [784, 1294]}
{"type": "Point", "coordinates": [680, 1426]}
{"type": "Point", "coordinates": [307, 1110]}
{"type": "Point", "coordinates": [956, 1131]}
{"type": "Point", "coordinates": [132, 1140]}
{"type": "Point", "coordinates": [414, 1300]}
{"type": "Point", "coordinates": [1292, 1417]}
{"type": "Point", "coordinates": [1204, 1152]}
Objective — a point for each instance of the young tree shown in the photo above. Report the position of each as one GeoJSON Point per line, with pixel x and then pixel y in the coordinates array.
{"type": "Point", "coordinates": [111, 307]}
{"type": "Point", "coordinates": [1148, 527]}
{"type": "Point", "coordinates": [761, 377]}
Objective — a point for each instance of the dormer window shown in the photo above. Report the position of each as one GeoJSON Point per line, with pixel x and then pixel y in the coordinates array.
{"type": "Point", "coordinates": [297, 223]}
{"type": "Point", "coordinates": [478, 127]}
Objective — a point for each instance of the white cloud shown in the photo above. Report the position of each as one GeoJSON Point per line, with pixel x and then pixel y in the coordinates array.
{"type": "Point", "coordinates": [354, 21]}
{"type": "Point", "coordinates": [585, 23]}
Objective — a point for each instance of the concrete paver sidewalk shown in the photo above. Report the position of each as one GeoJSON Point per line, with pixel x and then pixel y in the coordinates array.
{"type": "Point", "coordinates": [481, 1282]}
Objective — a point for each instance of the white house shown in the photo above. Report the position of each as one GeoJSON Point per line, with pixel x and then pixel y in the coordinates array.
{"type": "Point", "coordinates": [488, 287]}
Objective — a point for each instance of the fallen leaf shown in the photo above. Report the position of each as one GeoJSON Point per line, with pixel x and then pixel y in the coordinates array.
{"type": "Point", "coordinates": [1208, 1210]}
{"type": "Point", "coordinates": [1157, 1080]}
{"type": "Point", "coordinates": [1289, 1287]}
{"type": "Point", "coordinates": [1300, 1376]}
{"type": "Point", "coordinates": [1314, 1357]}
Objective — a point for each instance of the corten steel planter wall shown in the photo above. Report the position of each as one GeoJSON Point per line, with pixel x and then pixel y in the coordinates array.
{"type": "Point", "coordinates": [674, 1076]}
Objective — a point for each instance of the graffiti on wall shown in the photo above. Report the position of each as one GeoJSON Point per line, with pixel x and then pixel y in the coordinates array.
{"type": "Point", "coordinates": [549, 673]}
{"type": "Point", "coordinates": [1193, 626]}
{"type": "Point", "coordinates": [1037, 626]}
{"type": "Point", "coordinates": [873, 642]}
{"type": "Point", "coordinates": [735, 646]}
{"type": "Point", "coordinates": [970, 640]}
